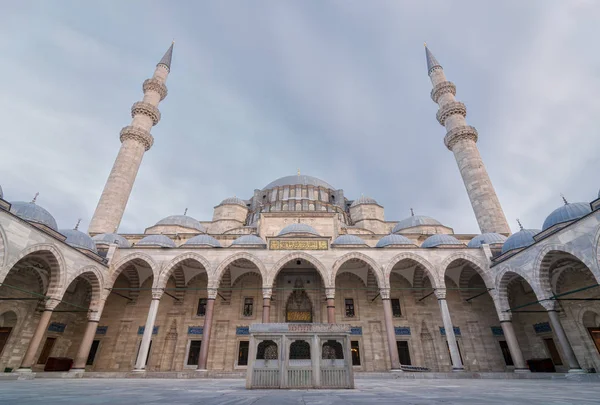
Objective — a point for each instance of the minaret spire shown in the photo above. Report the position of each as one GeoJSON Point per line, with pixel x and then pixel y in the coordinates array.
{"type": "Point", "coordinates": [461, 140]}
{"type": "Point", "coordinates": [135, 141]}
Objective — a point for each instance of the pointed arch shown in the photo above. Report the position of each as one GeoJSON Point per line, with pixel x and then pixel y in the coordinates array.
{"type": "Point", "coordinates": [268, 281]}
{"type": "Point", "coordinates": [218, 274]}
{"type": "Point", "coordinates": [375, 267]}
{"type": "Point", "coordinates": [470, 267]}
{"type": "Point", "coordinates": [96, 280]}
{"type": "Point", "coordinates": [3, 246]}
{"type": "Point", "coordinates": [504, 278]}
{"type": "Point", "coordinates": [419, 260]}
{"type": "Point", "coordinates": [165, 274]}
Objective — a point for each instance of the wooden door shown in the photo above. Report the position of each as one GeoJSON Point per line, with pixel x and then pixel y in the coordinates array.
{"type": "Point", "coordinates": [4, 335]}
{"type": "Point", "coordinates": [46, 350]}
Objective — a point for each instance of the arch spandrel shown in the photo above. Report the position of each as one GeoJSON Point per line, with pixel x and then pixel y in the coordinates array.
{"type": "Point", "coordinates": [163, 278]}
{"type": "Point", "coordinates": [434, 277]}
{"type": "Point", "coordinates": [376, 268]}
{"type": "Point", "coordinates": [119, 266]}
{"type": "Point", "coordinates": [220, 270]}
{"type": "Point", "coordinates": [321, 269]}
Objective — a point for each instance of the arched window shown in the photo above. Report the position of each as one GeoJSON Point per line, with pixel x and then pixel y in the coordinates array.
{"type": "Point", "coordinates": [299, 350]}
{"type": "Point", "coordinates": [267, 350]}
{"type": "Point", "coordinates": [332, 350]}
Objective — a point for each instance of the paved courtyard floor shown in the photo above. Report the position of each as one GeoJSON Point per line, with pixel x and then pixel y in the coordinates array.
{"type": "Point", "coordinates": [223, 391]}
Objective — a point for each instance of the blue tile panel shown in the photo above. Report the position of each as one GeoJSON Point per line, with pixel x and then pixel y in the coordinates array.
{"type": "Point", "coordinates": [356, 330]}
{"type": "Point", "coordinates": [542, 327]}
{"type": "Point", "coordinates": [456, 331]}
{"type": "Point", "coordinates": [142, 328]}
{"type": "Point", "coordinates": [402, 330]}
{"type": "Point", "coordinates": [101, 330]}
{"type": "Point", "coordinates": [242, 330]}
{"type": "Point", "coordinates": [57, 327]}
{"type": "Point", "coordinates": [195, 330]}
{"type": "Point", "coordinates": [497, 331]}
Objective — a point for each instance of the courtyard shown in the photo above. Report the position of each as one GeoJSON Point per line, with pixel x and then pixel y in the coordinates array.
{"type": "Point", "coordinates": [230, 391]}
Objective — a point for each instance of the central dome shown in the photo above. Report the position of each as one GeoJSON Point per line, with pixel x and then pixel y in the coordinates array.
{"type": "Point", "coordinates": [298, 180]}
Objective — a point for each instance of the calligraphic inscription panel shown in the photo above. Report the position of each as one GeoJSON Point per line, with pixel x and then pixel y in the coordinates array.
{"type": "Point", "coordinates": [299, 316]}
{"type": "Point", "coordinates": [295, 244]}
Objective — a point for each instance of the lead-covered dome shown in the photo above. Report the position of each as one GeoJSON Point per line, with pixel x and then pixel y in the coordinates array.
{"type": "Point", "coordinates": [79, 240]}
{"type": "Point", "coordinates": [246, 240]}
{"type": "Point", "coordinates": [440, 240]}
{"type": "Point", "coordinates": [298, 228]}
{"type": "Point", "coordinates": [203, 240]}
{"type": "Point", "coordinates": [348, 240]}
{"type": "Point", "coordinates": [156, 241]}
{"type": "Point", "coordinates": [32, 212]}
{"type": "Point", "coordinates": [183, 221]}
{"type": "Point", "coordinates": [566, 213]}
{"type": "Point", "coordinates": [298, 180]}
{"type": "Point", "coordinates": [233, 201]}
{"type": "Point", "coordinates": [520, 240]}
{"type": "Point", "coordinates": [486, 239]}
{"type": "Point", "coordinates": [415, 220]}
{"type": "Point", "coordinates": [393, 240]}
{"type": "Point", "coordinates": [363, 200]}
{"type": "Point", "coordinates": [108, 238]}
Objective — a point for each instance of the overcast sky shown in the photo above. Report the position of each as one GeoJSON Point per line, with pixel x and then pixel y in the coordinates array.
{"type": "Point", "coordinates": [338, 89]}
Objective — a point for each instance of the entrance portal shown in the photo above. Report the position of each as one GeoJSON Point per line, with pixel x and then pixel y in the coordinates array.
{"type": "Point", "coordinates": [299, 306]}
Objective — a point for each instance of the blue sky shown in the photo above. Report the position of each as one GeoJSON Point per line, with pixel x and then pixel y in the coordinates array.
{"type": "Point", "coordinates": [338, 89]}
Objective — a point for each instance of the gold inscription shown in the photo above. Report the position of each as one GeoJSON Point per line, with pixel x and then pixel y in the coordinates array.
{"type": "Point", "coordinates": [299, 316]}
{"type": "Point", "coordinates": [298, 245]}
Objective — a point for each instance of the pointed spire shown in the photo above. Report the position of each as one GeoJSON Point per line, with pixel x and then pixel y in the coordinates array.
{"type": "Point", "coordinates": [77, 224]}
{"type": "Point", "coordinates": [564, 199]}
{"type": "Point", "coordinates": [431, 60]}
{"type": "Point", "coordinates": [185, 212]}
{"type": "Point", "coordinates": [412, 212]}
{"type": "Point", "coordinates": [35, 197]}
{"type": "Point", "coordinates": [166, 59]}
{"type": "Point", "coordinates": [519, 222]}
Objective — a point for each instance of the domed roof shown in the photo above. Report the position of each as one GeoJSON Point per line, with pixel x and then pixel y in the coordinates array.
{"type": "Point", "coordinates": [182, 220]}
{"type": "Point", "coordinates": [519, 240]}
{"type": "Point", "coordinates": [203, 240]}
{"type": "Point", "coordinates": [108, 238]}
{"type": "Point", "coordinates": [30, 211]}
{"type": "Point", "coordinates": [298, 179]}
{"type": "Point", "coordinates": [233, 201]}
{"type": "Point", "coordinates": [440, 240]}
{"type": "Point", "coordinates": [156, 240]}
{"type": "Point", "coordinates": [348, 240]}
{"type": "Point", "coordinates": [249, 240]}
{"type": "Point", "coordinates": [393, 239]}
{"type": "Point", "coordinates": [567, 212]}
{"type": "Point", "coordinates": [298, 228]}
{"type": "Point", "coordinates": [486, 239]}
{"type": "Point", "coordinates": [415, 220]}
{"type": "Point", "coordinates": [79, 240]}
{"type": "Point", "coordinates": [363, 200]}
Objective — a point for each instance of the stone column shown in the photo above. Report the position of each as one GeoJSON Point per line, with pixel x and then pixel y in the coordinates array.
{"type": "Point", "coordinates": [389, 327]}
{"type": "Point", "coordinates": [38, 335]}
{"type": "Point", "coordinates": [266, 314]}
{"type": "Point", "coordinates": [140, 364]}
{"type": "Point", "coordinates": [513, 344]}
{"type": "Point", "coordinates": [86, 342]}
{"type": "Point", "coordinates": [330, 294]}
{"type": "Point", "coordinates": [210, 304]}
{"type": "Point", "coordinates": [454, 353]}
{"type": "Point", "coordinates": [574, 366]}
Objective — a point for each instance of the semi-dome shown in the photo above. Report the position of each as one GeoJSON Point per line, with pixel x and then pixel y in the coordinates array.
{"type": "Point", "coordinates": [415, 220]}
{"type": "Point", "coordinates": [363, 200]}
{"type": "Point", "coordinates": [30, 211]}
{"type": "Point", "coordinates": [79, 240]}
{"type": "Point", "coordinates": [203, 240]}
{"type": "Point", "coordinates": [183, 221]}
{"type": "Point", "coordinates": [108, 238]}
{"type": "Point", "coordinates": [298, 180]}
{"type": "Point", "coordinates": [486, 239]}
{"type": "Point", "coordinates": [233, 201]}
{"type": "Point", "coordinates": [348, 240]}
{"type": "Point", "coordinates": [519, 240]}
{"type": "Point", "coordinates": [249, 240]}
{"type": "Point", "coordinates": [298, 228]}
{"type": "Point", "coordinates": [567, 212]}
{"type": "Point", "coordinates": [156, 241]}
{"type": "Point", "coordinates": [440, 240]}
{"type": "Point", "coordinates": [393, 239]}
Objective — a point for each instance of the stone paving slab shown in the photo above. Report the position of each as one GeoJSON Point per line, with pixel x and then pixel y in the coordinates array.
{"type": "Point", "coordinates": [224, 391]}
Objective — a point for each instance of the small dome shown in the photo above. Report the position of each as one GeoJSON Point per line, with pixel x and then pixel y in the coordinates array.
{"type": "Point", "coordinates": [33, 213]}
{"type": "Point", "coordinates": [363, 200]}
{"type": "Point", "coordinates": [203, 240]}
{"type": "Point", "coordinates": [249, 240]}
{"type": "Point", "coordinates": [234, 201]}
{"type": "Point", "coordinates": [298, 228]}
{"type": "Point", "coordinates": [519, 240]}
{"type": "Point", "coordinates": [79, 240]}
{"type": "Point", "coordinates": [440, 240]}
{"type": "Point", "coordinates": [156, 241]}
{"type": "Point", "coordinates": [486, 239]}
{"type": "Point", "coordinates": [348, 240]}
{"type": "Point", "coordinates": [297, 180]}
{"type": "Point", "coordinates": [183, 221]}
{"type": "Point", "coordinates": [108, 238]}
{"type": "Point", "coordinates": [393, 239]}
{"type": "Point", "coordinates": [567, 212]}
{"type": "Point", "coordinates": [415, 220]}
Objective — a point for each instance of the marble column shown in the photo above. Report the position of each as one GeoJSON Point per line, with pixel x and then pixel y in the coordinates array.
{"type": "Point", "coordinates": [38, 335]}
{"type": "Point", "coordinates": [210, 305]}
{"type": "Point", "coordinates": [449, 328]}
{"type": "Point", "coordinates": [140, 364]}
{"type": "Point", "coordinates": [266, 314]}
{"type": "Point", "coordinates": [330, 294]}
{"type": "Point", "coordinates": [513, 345]}
{"type": "Point", "coordinates": [86, 342]}
{"type": "Point", "coordinates": [558, 329]}
{"type": "Point", "coordinates": [389, 327]}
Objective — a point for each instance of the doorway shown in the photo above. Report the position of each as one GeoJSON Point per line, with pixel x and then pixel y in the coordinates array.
{"type": "Point", "coordinates": [48, 345]}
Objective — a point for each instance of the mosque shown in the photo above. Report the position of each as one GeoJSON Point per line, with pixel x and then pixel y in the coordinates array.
{"type": "Point", "coordinates": [180, 295]}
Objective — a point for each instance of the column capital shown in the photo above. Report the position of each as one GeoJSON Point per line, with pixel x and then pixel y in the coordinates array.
{"type": "Point", "coordinates": [157, 294]}
{"type": "Point", "coordinates": [330, 293]}
{"type": "Point", "coordinates": [212, 293]}
{"type": "Point", "coordinates": [384, 293]}
{"type": "Point", "coordinates": [440, 293]}
{"type": "Point", "coordinates": [549, 305]}
{"type": "Point", "coordinates": [505, 316]}
{"type": "Point", "coordinates": [267, 292]}
{"type": "Point", "coordinates": [94, 316]}
{"type": "Point", "coordinates": [51, 304]}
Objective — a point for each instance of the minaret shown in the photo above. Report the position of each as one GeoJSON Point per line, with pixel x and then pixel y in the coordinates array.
{"type": "Point", "coordinates": [135, 140]}
{"type": "Point", "coordinates": [461, 140]}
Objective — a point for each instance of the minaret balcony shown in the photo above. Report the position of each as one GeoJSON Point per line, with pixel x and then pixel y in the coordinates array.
{"type": "Point", "coordinates": [147, 109]}
{"type": "Point", "coordinates": [442, 88]}
{"type": "Point", "coordinates": [157, 86]}
{"type": "Point", "coordinates": [138, 134]}
{"type": "Point", "coordinates": [458, 134]}
{"type": "Point", "coordinates": [445, 111]}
